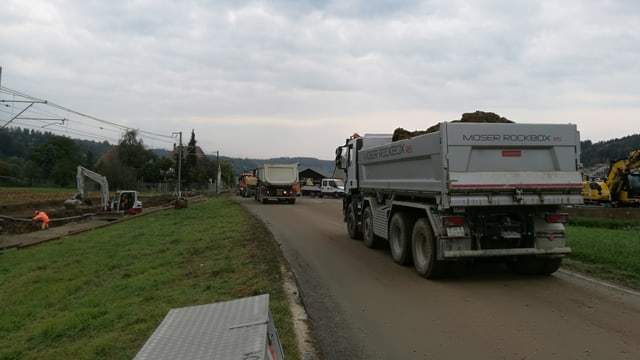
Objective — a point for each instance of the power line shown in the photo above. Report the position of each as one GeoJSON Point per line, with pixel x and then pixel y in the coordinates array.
{"type": "Point", "coordinates": [44, 114]}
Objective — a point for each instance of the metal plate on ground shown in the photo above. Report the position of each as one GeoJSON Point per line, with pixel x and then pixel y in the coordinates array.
{"type": "Point", "coordinates": [235, 329]}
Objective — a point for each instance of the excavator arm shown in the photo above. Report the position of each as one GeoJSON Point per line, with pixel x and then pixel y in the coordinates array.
{"type": "Point", "coordinates": [623, 179]}
{"type": "Point", "coordinates": [100, 179]}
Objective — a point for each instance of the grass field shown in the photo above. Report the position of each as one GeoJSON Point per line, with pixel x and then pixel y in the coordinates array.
{"type": "Point", "coordinates": [101, 294]}
{"type": "Point", "coordinates": [607, 249]}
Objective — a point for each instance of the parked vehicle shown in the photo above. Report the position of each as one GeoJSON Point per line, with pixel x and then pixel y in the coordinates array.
{"type": "Point", "coordinates": [464, 192]}
{"type": "Point", "coordinates": [125, 201]}
{"type": "Point", "coordinates": [326, 187]}
{"type": "Point", "coordinates": [276, 182]}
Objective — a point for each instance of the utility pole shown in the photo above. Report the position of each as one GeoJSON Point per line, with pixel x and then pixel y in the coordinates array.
{"type": "Point", "coordinates": [218, 177]}
{"type": "Point", "coordinates": [179, 163]}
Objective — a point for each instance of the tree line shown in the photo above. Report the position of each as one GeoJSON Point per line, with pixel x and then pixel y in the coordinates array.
{"type": "Point", "coordinates": [604, 152]}
{"type": "Point", "coordinates": [29, 157]}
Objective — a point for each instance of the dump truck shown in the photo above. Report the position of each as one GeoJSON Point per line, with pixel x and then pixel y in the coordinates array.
{"type": "Point", "coordinates": [246, 184]}
{"type": "Point", "coordinates": [276, 182]}
{"type": "Point", "coordinates": [465, 192]}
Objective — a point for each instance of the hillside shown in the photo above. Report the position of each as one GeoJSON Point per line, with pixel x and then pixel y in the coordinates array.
{"type": "Point", "coordinates": [605, 151]}
{"type": "Point", "coordinates": [241, 165]}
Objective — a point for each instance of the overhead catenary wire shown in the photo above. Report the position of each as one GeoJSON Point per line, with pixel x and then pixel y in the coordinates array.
{"type": "Point", "coordinates": [73, 126]}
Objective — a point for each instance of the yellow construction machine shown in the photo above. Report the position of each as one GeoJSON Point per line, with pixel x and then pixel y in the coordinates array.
{"type": "Point", "coordinates": [595, 192]}
{"type": "Point", "coordinates": [623, 180]}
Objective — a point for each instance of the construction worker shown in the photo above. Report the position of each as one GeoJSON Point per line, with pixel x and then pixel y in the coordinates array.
{"type": "Point", "coordinates": [42, 216]}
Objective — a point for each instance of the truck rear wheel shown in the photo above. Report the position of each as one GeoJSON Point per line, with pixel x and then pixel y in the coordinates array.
{"type": "Point", "coordinates": [261, 197]}
{"type": "Point", "coordinates": [400, 238]}
{"type": "Point", "coordinates": [369, 238]}
{"type": "Point", "coordinates": [531, 265]}
{"type": "Point", "coordinates": [352, 223]}
{"type": "Point", "coordinates": [424, 249]}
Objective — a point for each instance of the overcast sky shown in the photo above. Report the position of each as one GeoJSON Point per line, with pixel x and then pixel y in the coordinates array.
{"type": "Point", "coordinates": [295, 78]}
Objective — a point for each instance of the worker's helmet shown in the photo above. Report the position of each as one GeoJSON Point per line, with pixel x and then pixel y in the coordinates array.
{"type": "Point", "coordinates": [37, 212]}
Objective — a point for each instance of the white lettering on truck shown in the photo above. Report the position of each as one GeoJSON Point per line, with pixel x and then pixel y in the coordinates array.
{"type": "Point", "coordinates": [510, 137]}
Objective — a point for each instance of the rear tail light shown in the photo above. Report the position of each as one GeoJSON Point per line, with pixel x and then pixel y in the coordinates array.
{"type": "Point", "coordinates": [454, 226]}
{"type": "Point", "coordinates": [452, 221]}
{"type": "Point", "coordinates": [555, 218]}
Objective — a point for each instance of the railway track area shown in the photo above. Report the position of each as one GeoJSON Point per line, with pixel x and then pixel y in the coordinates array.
{"type": "Point", "coordinates": [21, 231]}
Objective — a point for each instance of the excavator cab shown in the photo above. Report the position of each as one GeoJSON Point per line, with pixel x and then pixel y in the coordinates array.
{"type": "Point", "coordinates": [126, 201]}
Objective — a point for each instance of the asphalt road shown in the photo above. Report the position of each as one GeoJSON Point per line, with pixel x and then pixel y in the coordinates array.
{"type": "Point", "coordinates": [364, 306]}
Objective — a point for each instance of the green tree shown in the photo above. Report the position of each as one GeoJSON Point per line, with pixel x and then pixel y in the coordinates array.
{"type": "Point", "coordinates": [7, 168]}
{"type": "Point", "coordinates": [190, 169]}
{"type": "Point", "coordinates": [227, 175]}
{"type": "Point", "coordinates": [56, 159]}
{"type": "Point", "coordinates": [126, 164]}
{"type": "Point", "coordinates": [131, 150]}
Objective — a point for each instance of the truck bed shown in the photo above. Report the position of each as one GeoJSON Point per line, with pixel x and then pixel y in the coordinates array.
{"type": "Point", "coordinates": [278, 174]}
{"type": "Point", "coordinates": [479, 164]}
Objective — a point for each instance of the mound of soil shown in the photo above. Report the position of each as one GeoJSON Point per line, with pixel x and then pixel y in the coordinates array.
{"type": "Point", "coordinates": [474, 117]}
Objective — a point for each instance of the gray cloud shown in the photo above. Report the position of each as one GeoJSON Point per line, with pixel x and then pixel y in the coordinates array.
{"type": "Point", "coordinates": [283, 67]}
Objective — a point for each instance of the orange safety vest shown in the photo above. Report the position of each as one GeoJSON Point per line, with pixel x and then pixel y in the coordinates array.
{"type": "Point", "coordinates": [41, 216]}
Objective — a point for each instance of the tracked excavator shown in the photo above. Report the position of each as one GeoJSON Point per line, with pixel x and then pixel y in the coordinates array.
{"type": "Point", "coordinates": [125, 201]}
{"type": "Point", "coordinates": [595, 191]}
{"type": "Point", "coordinates": [623, 181]}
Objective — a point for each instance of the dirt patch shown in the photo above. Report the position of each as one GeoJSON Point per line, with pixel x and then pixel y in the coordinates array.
{"type": "Point", "coordinates": [17, 209]}
{"type": "Point", "coordinates": [605, 212]}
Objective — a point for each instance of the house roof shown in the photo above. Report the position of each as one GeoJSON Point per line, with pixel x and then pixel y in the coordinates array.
{"type": "Point", "coordinates": [173, 154]}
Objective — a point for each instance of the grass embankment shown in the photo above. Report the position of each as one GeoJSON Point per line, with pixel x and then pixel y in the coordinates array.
{"type": "Point", "coordinates": [607, 249]}
{"type": "Point", "coordinates": [101, 294]}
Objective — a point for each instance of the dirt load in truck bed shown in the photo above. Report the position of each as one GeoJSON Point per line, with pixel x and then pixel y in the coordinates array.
{"type": "Point", "coordinates": [474, 117]}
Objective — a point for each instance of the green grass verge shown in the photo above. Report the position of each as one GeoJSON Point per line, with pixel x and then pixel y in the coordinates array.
{"type": "Point", "coordinates": [101, 294]}
{"type": "Point", "coordinates": [607, 249]}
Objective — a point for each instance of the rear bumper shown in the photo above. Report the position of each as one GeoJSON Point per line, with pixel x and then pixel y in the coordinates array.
{"type": "Point", "coordinates": [456, 254]}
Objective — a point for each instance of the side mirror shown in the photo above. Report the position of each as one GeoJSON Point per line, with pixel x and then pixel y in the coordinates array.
{"type": "Point", "coordinates": [339, 159]}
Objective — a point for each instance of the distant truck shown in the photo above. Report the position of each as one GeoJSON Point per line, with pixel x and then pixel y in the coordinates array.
{"type": "Point", "coordinates": [326, 187]}
{"type": "Point", "coordinates": [276, 182]}
{"type": "Point", "coordinates": [246, 185]}
{"type": "Point", "coordinates": [464, 192]}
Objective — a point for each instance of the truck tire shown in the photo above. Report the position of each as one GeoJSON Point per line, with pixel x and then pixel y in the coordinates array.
{"type": "Point", "coordinates": [424, 249]}
{"type": "Point", "coordinates": [369, 238]}
{"type": "Point", "coordinates": [400, 238]}
{"type": "Point", "coordinates": [292, 201]}
{"type": "Point", "coordinates": [531, 265]}
{"type": "Point", "coordinates": [352, 223]}
{"type": "Point", "coordinates": [261, 197]}
{"type": "Point", "coordinates": [551, 266]}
